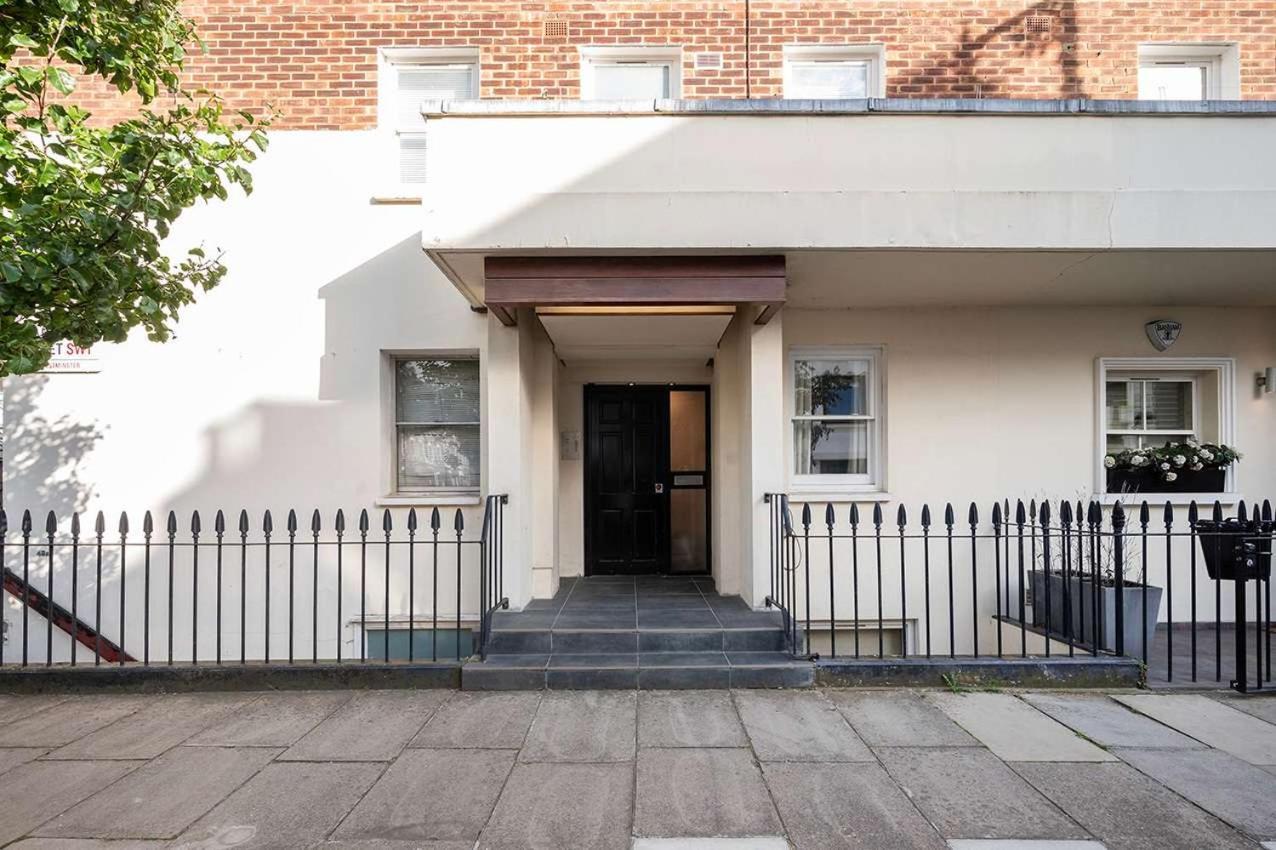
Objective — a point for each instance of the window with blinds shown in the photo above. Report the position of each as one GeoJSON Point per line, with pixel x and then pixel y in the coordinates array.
{"type": "Point", "coordinates": [836, 416]}
{"type": "Point", "coordinates": [414, 83]}
{"type": "Point", "coordinates": [630, 80]}
{"type": "Point", "coordinates": [1143, 412]}
{"type": "Point", "coordinates": [436, 424]}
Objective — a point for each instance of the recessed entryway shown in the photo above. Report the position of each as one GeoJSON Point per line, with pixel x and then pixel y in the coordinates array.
{"type": "Point", "coordinates": [647, 494]}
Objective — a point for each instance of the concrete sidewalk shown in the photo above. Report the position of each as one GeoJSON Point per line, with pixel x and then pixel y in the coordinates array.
{"type": "Point", "coordinates": [580, 769]}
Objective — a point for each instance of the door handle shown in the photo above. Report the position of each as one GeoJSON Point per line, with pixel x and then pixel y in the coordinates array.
{"type": "Point", "coordinates": [660, 488]}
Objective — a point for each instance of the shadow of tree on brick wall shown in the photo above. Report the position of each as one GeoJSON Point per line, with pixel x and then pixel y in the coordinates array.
{"type": "Point", "coordinates": [1019, 37]}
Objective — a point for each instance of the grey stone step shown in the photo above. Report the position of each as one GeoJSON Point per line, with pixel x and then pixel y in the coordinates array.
{"type": "Point", "coordinates": [625, 670]}
{"type": "Point", "coordinates": [635, 640]}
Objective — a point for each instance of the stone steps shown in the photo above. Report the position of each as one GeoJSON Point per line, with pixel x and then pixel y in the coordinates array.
{"type": "Point", "coordinates": [625, 670]}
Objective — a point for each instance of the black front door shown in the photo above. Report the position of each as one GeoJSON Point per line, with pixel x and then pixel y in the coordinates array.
{"type": "Point", "coordinates": [626, 464]}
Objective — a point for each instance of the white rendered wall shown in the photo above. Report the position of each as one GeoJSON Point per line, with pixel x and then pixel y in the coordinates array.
{"type": "Point", "coordinates": [272, 395]}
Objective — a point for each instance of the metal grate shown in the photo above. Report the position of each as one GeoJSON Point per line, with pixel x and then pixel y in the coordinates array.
{"type": "Point", "coordinates": [1038, 24]}
{"type": "Point", "coordinates": [708, 62]}
{"type": "Point", "coordinates": [554, 28]}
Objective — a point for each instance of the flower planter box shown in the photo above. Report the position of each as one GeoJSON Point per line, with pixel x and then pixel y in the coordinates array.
{"type": "Point", "coordinates": [1081, 604]}
{"type": "Point", "coordinates": [1236, 551]}
{"type": "Point", "coordinates": [1149, 481]}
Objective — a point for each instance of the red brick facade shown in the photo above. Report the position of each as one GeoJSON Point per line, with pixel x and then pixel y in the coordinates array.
{"type": "Point", "coordinates": [315, 60]}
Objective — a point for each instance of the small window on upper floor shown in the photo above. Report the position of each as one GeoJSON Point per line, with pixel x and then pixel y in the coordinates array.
{"type": "Point", "coordinates": [409, 77]}
{"type": "Point", "coordinates": [830, 72]}
{"type": "Point", "coordinates": [636, 73]}
{"type": "Point", "coordinates": [1189, 72]}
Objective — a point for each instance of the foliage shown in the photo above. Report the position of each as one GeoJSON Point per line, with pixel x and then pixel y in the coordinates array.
{"type": "Point", "coordinates": [83, 205]}
{"type": "Point", "coordinates": [1171, 459]}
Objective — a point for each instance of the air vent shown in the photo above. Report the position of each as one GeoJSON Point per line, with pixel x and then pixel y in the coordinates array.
{"type": "Point", "coordinates": [1038, 25]}
{"type": "Point", "coordinates": [708, 62]}
{"type": "Point", "coordinates": [554, 28]}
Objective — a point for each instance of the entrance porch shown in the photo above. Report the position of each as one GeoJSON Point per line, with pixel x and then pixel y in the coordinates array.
{"type": "Point", "coordinates": [637, 631]}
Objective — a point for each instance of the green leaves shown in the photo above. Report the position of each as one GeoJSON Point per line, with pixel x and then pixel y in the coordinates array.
{"type": "Point", "coordinates": [84, 207]}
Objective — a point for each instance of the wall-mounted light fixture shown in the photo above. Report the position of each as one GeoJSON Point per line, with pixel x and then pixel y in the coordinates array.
{"type": "Point", "coordinates": [1266, 380]}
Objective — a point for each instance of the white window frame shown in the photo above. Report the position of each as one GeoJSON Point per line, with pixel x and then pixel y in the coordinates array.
{"type": "Point", "coordinates": [592, 56]}
{"type": "Point", "coordinates": [390, 433]}
{"type": "Point", "coordinates": [389, 61]}
{"type": "Point", "coordinates": [1221, 61]}
{"type": "Point", "coordinates": [873, 481]}
{"type": "Point", "coordinates": [1172, 368]}
{"type": "Point", "coordinates": [873, 53]}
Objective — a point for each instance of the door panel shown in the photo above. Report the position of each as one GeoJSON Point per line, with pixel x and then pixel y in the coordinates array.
{"type": "Point", "coordinates": [626, 466]}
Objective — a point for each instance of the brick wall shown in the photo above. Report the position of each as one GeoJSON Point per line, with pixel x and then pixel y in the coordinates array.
{"type": "Point", "coordinates": [315, 60]}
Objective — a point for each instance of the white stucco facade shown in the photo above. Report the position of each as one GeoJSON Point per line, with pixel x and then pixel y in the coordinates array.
{"type": "Point", "coordinates": [994, 259]}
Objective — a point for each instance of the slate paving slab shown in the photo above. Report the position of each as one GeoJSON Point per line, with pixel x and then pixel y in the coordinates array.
{"type": "Point", "coordinates": [702, 792]}
{"type": "Point", "coordinates": [798, 726]}
{"type": "Point", "coordinates": [11, 757]}
{"type": "Point", "coordinates": [967, 792]}
{"type": "Point", "coordinates": [563, 805]}
{"type": "Point", "coordinates": [163, 723]}
{"type": "Point", "coordinates": [84, 844]}
{"type": "Point", "coordinates": [1210, 721]}
{"type": "Point", "coordinates": [285, 805]}
{"type": "Point", "coordinates": [1126, 810]}
{"type": "Point", "coordinates": [1014, 730]}
{"type": "Point", "coordinates": [1107, 722]}
{"type": "Point", "coordinates": [67, 721]}
{"type": "Point", "coordinates": [36, 791]}
{"type": "Point", "coordinates": [431, 795]}
{"type": "Point", "coordinates": [478, 720]}
{"type": "Point", "coordinates": [851, 806]}
{"type": "Point", "coordinates": [1262, 706]}
{"type": "Point", "coordinates": [372, 726]}
{"type": "Point", "coordinates": [17, 707]}
{"type": "Point", "coordinates": [899, 719]}
{"type": "Point", "coordinates": [583, 726]}
{"type": "Point", "coordinates": [1234, 790]}
{"type": "Point", "coordinates": [689, 719]}
{"type": "Point", "coordinates": [272, 720]}
{"type": "Point", "coordinates": [162, 798]}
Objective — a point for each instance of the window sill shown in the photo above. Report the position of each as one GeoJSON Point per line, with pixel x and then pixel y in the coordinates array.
{"type": "Point", "coordinates": [1184, 499]}
{"type": "Point", "coordinates": [429, 500]}
{"type": "Point", "coordinates": [837, 496]}
{"type": "Point", "coordinates": [402, 197]}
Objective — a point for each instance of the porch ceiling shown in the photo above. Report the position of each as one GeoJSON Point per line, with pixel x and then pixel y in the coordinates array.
{"type": "Point", "coordinates": [645, 336]}
{"type": "Point", "coordinates": [886, 278]}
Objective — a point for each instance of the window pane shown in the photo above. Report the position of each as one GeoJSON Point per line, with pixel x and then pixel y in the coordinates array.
{"type": "Point", "coordinates": [437, 391]}
{"type": "Point", "coordinates": [637, 81]}
{"type": "Point", "coordinates": [438, 457]}
{"type": "Point", "coordinates": [417, 83]}
{"type": "Point", "coordinates": [833, 80]}
{"type": "Point", "coordinates": [1125, 405]}
{"type": "Point", "coordinates": [831, 447]}
{"type": "Point", "coordinates": [831, 387]}
{"type": "Point", "coordinates": [1169, 405]}
{"type": "Point", "coordinates": [687, 431]}
{"type": "Point", "coordinates": [1172, 82]}
{"type": "Point", "coordinates": [1121, 442]}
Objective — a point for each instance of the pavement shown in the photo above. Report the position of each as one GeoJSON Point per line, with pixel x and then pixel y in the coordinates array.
{"type": "Point", "coordinates": [654, 770]}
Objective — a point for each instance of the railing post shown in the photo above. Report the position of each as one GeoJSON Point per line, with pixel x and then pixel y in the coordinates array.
{"type": "Point", "coordinates": [926, 571]}
{"type": "Point", "coordinates": [806, 572]}
{"type": "Point", "coordinates": [996, 549]}
{"type": "Point", "coordinates": [1118, 571]}
{"type": "Point", "coordinates": [901, 520]}
{"type": "Point", "coordinates": [855, 574]}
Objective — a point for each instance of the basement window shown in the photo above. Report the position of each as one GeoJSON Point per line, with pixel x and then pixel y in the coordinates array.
{"type": "Point", "coordinates": [1191, 72]}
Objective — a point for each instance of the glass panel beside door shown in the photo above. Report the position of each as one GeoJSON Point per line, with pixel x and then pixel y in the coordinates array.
{"type": "Point", "coordinates": [689, 480]}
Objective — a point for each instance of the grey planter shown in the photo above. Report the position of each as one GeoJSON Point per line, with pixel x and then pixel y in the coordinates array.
{"type": "Point", "coordinates": [1081, 605]}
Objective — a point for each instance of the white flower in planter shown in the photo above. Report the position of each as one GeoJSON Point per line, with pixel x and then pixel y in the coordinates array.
{"type": "Point", "coordinates": [1207, 454]}
{"type": "Point", "coordinates": [1109, 461]}
{"type": "Point", "coordinates": [1170, 476]}
{"type": "Point", "coordinates": [1192, 442]}
{"type": "Point", "coordinates": [1179, 460]}
{"type": "Point", "coordinates": [1197, 467]}
{"type": "Point", "coordinates": [1165, 467]}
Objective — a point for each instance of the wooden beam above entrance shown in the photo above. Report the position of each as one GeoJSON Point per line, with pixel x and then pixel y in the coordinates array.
{"type": "Point", "coordinates": [525, 282]}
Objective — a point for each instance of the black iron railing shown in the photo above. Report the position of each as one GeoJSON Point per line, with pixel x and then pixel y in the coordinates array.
{"type": "Point", "coordinates": [1035, 579]}
{"type": "Point", "coordinates": [245, 593]}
